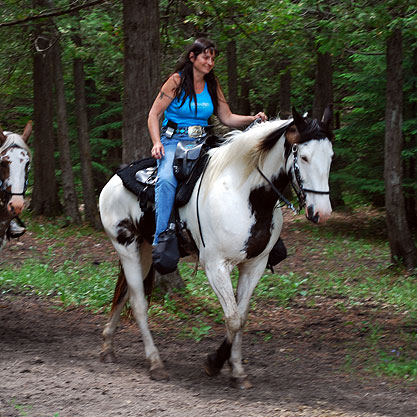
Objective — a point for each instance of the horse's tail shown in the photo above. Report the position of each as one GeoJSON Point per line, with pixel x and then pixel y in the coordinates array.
{"type": "Point", "coordinates": [121, 287]}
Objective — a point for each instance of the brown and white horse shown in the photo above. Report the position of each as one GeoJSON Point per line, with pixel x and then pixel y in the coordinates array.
{"type": "Point", "coordinates": [234, 222]}
{"type": "Point", "coordinates": [15, 159]}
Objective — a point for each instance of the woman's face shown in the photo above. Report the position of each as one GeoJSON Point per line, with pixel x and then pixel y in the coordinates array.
{"type": "Point", "coordinates": [204, 62]}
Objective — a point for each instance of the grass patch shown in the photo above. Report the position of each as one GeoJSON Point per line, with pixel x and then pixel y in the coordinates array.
{"type": "Point", "coordinates": [73, 284]}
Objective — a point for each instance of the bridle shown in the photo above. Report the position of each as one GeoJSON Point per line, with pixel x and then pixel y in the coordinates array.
{"type": "Point", "coordinates": [296, 183]}
{"type": "Point", "coordinates": [3, 187]}
{"type": "Point", "coordinates": [298, 187]}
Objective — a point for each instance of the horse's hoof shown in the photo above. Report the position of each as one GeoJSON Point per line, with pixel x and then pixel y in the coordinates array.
{"type": "Point", "coordinates": [159, 374]}
{"type": "Point", "coordinates": [210, 367]}
{"type": "Point", "coordinates": [241, 383]}
{"type": "Point", "coordinates": [107, 357]}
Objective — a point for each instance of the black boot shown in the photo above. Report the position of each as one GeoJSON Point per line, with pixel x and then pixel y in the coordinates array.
{"type": "Point", "coordinates": [277, 254]}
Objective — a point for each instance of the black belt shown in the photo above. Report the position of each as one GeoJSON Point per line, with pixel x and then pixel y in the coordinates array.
{"type": "Point", "coordinates": [191, 131]}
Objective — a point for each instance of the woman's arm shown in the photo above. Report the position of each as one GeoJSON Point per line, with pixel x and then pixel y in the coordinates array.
{"type": "Point", "coordinates": [231, 119]}
{"type": "Point", "coordinates": [165, 96]}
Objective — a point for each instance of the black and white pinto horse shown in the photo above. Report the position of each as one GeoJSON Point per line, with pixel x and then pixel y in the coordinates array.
{"type": "Point", "coordinates": [15, 159]}
{"type": "Point", "coordinates": [234, 219]}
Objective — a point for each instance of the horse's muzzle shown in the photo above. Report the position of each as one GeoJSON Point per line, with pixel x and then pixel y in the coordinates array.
{"type": "Point", "coordinates": [317, 216]}
{"type": "Point", "coordinates": [15, 205]}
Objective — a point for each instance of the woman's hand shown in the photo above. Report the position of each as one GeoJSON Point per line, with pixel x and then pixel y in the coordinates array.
{"type": "Point", "coordinates": [158, 150]}
{"type": "Point", "coordinates": [261, 115]}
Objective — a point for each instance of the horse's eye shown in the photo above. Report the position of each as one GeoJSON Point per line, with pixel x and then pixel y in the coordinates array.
{"type": "Point", "coordinates": [304, 158]}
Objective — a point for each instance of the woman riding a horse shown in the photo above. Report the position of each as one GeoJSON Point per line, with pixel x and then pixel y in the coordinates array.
{"type": "Point", "coordinates": [188, 98]}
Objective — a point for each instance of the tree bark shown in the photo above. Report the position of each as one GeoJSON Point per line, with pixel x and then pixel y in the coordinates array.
{"type": "Point", "coordinates": [141, 74]}
{"type": "Point", "coordinates": [45, 193]}
{"type": "Point", "coordinates": [232, 76]}
{"type": "Point", "coordinates": [244, 102]}
{"type": "Point", "coordinates": [401, 243]}
{"type": "Point", "coordinates": [323, 86]}
{"type": "Point", "coordinates": [285, 94]}
{"type": "Point", "coordinates": [67, 176]}
{"type": "Point", "coordinates": [89, 197]}
{"type": "Point", "coordinates": [410, 164]}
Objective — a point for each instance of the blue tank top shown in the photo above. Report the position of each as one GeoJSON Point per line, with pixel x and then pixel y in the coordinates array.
{"type": "Point", "coordinates": [185, 115]}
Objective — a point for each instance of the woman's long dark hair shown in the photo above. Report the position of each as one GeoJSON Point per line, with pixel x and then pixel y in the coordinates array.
{"type": "Point", "coordinates": [185, 67]}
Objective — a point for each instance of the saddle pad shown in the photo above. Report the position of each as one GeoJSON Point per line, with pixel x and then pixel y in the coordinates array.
{"type": "Point", "coordinates": [127, 174]}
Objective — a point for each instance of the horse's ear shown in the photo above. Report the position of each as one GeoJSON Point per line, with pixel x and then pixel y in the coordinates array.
{"type": "Point", "coordinates": [298, 120]}
{"type": "Point", "coordinates": [328, 116]}
{"type": "Point", "coordinates": [27, 131]}
{"type": "Point", "coordinates": [2, 137]}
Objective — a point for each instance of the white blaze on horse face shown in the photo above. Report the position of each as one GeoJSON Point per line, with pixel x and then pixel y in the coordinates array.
{"type": "Point", "coordinates": [17, 158]}
{"type": "Point", "coordinates": [314, 160]}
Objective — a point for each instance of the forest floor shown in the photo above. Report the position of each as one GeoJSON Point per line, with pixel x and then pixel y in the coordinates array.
{"type": "Point", "coordinates": [297, 357]}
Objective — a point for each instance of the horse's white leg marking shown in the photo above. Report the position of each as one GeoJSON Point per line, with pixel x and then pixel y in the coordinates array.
{"type": "Point", "coordinates": [249, 275]}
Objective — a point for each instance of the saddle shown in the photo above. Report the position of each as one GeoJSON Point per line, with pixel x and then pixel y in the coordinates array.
{"type": "Point", "coordinates": [190, 160]}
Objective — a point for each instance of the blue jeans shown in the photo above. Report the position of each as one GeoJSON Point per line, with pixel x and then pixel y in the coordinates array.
{"type": "Point", "coordinates": [166, 183]}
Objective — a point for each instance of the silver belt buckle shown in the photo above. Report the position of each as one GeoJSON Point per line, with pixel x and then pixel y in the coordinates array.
{"type": "Point", "coordinates": [195, 131]}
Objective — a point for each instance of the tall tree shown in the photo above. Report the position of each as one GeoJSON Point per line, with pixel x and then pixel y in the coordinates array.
{"type": "Point", "coordinates": [45, 194]}
{"type": "Point", "coordinates": [323, 86]}
{"type": "Point", "coordinates": [67, 176]}
{"type": "Point", "coordinates": [141, 74]}
{"type": "Point", "coordinates": [232, 76]}
{"type": "Point", "coordinates": [400, 239]}
{"type": "Point", "coordinates": [89, 197]}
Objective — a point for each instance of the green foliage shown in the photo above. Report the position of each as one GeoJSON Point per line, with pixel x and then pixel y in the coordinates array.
{"type": "Point", "coordinates": [270, 39]}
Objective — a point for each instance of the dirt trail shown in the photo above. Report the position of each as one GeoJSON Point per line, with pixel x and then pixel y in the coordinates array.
{"type": "Point", "coordinates": [49, 367]}
{"type": "Point", "coordinates": [49, 364]}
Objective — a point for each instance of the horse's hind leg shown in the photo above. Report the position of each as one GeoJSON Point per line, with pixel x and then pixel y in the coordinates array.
{"type": "Point", "coordinates": [120, 298]}
{"type": "Point", "coordinates": [134, 267]}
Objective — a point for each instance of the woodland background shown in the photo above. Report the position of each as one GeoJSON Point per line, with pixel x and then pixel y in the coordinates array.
{"type": "Point", "coordinates": [87, 72]}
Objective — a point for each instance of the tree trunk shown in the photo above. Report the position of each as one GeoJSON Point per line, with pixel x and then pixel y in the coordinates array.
{"type": "Point", "coordinates": [45, 194]}
{"type": "Point", "coordinates": [285, 94]}
{"type": "Point", "coordinates": [401, 243]}
{"type": "Point", "coordinates": [244, 103]}
{"type": "Point", "coordinates": [232, 76]}
{"type": "Point", "coordinates": [411, 163]}
{"type": "Point", "coordinates": [141, 74]}
{"type": "Point", "coordinates": [89, 197]}
{"type": "Point", "coordinates": [323, 86]}
{"type": "Point", "coordinates": [67, 176]}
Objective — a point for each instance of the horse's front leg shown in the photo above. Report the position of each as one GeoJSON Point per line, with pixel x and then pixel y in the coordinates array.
{"type": "Point", "coordinates": [218, 275]}
{"type": "Point", "coordinates": [249, 275]}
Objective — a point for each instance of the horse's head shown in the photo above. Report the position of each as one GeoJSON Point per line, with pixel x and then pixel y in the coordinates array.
{"type": "Point", "coordinates": [310, 154]}
{"type": "Point", "coordinates": [14, 166]}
